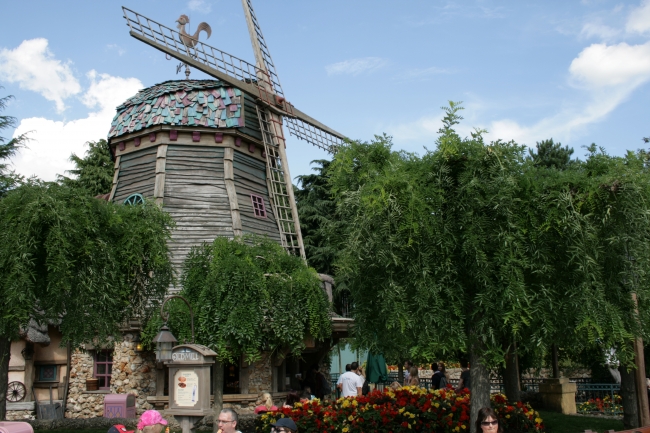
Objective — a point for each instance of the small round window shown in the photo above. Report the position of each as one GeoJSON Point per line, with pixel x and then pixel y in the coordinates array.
{"type": "Point", "coordinates": [134, 199]}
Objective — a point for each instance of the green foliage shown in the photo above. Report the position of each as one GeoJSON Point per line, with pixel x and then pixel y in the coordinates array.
{"type": "Point", "coordinates": [8, 180]}
{"type": "Point", "coordinates": [82, 262]}
{"type": "Point", "coordinates": [473, 246]}
{"type": "Point", "coordinates": [94, 172]}
{"type": "Point", "coordinates": [317, 210]}
{"type": "Point", "coordinates": [249, 295]}
{"type": "Point", "coordinates": [551, 154]}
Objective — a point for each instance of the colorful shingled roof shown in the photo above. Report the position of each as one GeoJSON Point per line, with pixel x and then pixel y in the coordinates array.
{"type": "Point", "coordinates": [206, 103]}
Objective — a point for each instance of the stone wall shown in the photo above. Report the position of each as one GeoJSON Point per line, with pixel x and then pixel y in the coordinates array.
{"type": "Point", "coordinates": [81, 403]}
{"type": "Point", "coordinates": [133, 373]}
{"type": "Point", "coordinates": [261, 375]}
{"type": "Point", "coordinates": [20, 415]}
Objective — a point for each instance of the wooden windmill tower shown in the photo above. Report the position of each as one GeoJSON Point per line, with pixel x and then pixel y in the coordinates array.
{"type": "Point", "coordinates": [212, 152]}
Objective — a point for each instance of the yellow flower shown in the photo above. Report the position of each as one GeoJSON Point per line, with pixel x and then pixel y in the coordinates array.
{"type": "Point", "coordinates": [437, 405]}
{"type": "Point", "coordinates": [345, 429]}
{"type": "Point", "coordinates": [401, 410]}
{"type": "Point", "coordinates": [507, 416]}
{"type": "Point", "coordinates": [346, 403]}
{"type": "Point", "coordinates": [350, 418]}
{"type": "Point", "coordinates": [538, 420]}
{"type": "Point", "coordinates": [457, 428]}
{"type": "Point", "coordinates": [463, 426]}
{"type": "Point", "coordinates": [355, 403]}
{"type": "Point", "coordinates": [412, 415]}
{"type": "Point", "coordinates": [409, 425]}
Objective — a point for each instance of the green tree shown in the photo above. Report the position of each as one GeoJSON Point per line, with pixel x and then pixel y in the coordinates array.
{"type": "Point", "coordinates": [316, 210]}
{"type": "Point", "coordinates": [550, 154]}
{"type": "Point", "coordinates": [93, 172]}
{"type": "Point", "coordinates": [249, 296]}
{"type": "Point", "coordinates": [83, 263]}
{"type": "Point", "coordinates": [8, 149]}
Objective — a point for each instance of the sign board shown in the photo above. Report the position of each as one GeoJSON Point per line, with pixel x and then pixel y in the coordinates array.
{"type": "Point", "coordinates": [189, 380]}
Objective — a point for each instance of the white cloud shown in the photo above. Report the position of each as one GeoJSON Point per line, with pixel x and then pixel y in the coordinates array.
{"type": "Point", "coordinates": [639, 19]}
{"type": "Point", "coordinates": [115, 47]}
{"type": "Point", "coordinates": [601, 65]}
{"type": "Point", "coordinates": [33, 66]}
{"type": "Point", "coordinates": [53, 141]}
{"type": "Point", "coordinates": [199, 6]}
{"type": "Point", "coordinates": [356, 66]}
{"type": "Point", "coordinates": [598, 30]}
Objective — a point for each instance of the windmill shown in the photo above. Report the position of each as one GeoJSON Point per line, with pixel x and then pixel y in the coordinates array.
{"type": "Point", "coordinates": [245, 109]}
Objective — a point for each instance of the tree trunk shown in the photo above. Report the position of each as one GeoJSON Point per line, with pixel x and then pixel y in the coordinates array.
{"type": "Point", "coordinates": [400, 372]}
{"type": "Point", "coordinates": [511, 375]}
{"type": "Point", "coordinates": [217, 392]}
{"type": "Point", "coordinates": [5, 353]}
{"type": "Point", "coordinates": [628, 394]}
{"type": "Point", "coordinates": [555, 362]}
{"type": "Point", "coordinates": [480, 396]}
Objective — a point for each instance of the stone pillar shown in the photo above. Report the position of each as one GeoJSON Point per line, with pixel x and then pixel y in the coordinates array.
{"type": "Point", "coordinates": [559, 395]}
{"type": "Point", "coordinates": [134, 373]}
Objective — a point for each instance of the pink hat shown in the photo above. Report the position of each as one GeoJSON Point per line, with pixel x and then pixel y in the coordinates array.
{"type": "Point", "coordinates": [151, 417]}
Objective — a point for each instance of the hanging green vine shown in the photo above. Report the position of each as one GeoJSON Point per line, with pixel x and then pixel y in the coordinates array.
{"type": "Point", "coordinates": [249, 296]}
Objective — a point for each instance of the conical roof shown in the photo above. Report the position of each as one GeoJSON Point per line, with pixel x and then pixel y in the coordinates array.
{"type": "Point", "coordinates": [206, 103]}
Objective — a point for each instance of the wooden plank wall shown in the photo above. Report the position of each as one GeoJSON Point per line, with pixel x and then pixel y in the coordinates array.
{"type": "Point", "coordinates": [251, 122]}
{"type": "Point", "coordinates": [195, 196]}
{"type": "Point", "coordinates": [250, 178]}
{"type": "Point", "coordinates": [137, 174]}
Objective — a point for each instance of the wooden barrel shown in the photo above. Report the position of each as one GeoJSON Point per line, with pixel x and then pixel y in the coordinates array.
{"type": "Point", "coordinates": [92, 384]}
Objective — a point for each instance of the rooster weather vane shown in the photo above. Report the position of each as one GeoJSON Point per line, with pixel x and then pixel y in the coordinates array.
{"type": "Point", "coordinates": [188, 40]}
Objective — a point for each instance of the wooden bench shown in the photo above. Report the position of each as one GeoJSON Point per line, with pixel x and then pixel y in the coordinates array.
{"type": "Point", "coordinates": [634, 430]}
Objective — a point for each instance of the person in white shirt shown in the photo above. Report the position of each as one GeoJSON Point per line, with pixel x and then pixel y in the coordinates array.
{"type": "Point", "coordinates": [351, 382]}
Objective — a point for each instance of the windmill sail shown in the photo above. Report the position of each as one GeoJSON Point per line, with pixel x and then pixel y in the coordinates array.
{"type": "Point", "coordinates": [261, 82]}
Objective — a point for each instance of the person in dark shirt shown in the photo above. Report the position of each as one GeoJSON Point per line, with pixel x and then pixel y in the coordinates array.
{"type": "Point", "coordinates": [437, 376]}
{"type": "Point", "coordinates": [465, 378]}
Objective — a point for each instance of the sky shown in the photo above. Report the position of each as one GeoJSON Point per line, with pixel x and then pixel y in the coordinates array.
{"type": "Point", "coordinates": [574, 71]}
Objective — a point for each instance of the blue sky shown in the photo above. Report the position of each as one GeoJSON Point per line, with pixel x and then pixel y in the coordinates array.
{"type": "Point", "coordinates": [574, 71]}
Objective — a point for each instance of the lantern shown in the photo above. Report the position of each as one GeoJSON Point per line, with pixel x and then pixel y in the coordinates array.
{"type": "Point", "coordinates": [164, 341]}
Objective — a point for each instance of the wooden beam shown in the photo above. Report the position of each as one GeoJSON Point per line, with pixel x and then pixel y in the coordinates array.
{"type": "Point", "coordinates": [228, 157]}
{"type": "Point", "coordinates": [116, 172]}
{"type": "Point", "coordinates": [161, 162]}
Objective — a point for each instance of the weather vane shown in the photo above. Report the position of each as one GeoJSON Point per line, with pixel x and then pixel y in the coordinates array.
{"type": "Point", "coordinates": [188, 40]}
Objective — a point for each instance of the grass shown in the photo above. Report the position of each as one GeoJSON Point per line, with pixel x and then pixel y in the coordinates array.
{"type": "Point", "coordinates": [558, 423]}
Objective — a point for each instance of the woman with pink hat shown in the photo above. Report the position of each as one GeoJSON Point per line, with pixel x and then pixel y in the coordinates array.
{"type": "Point", "coordinates": [151, 421]}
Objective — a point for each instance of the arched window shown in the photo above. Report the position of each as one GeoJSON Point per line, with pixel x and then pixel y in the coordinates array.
{"type": "Point", "coordinates": [134, 199]}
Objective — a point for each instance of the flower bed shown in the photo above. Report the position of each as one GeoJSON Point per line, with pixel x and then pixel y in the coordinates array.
{"type": "Point", "coordinates": [604, 406]}
{"type": "Point", "coordinates": [410, 409]}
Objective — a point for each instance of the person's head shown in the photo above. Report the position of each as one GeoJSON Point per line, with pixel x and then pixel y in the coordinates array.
{"type": "Point", "coordinates": [266, 400]}
{"type": "Point", "coordinates": [292, 398]}
{"type": "Point", "coordinates": [284, 425]}
{"type": "Point", "coordinates": [347, 367]}
{"type": "Point", "coordinates": [307, 390]}
{"type": "Point", "coordinates": [413, 372]}
{"type": "Point", "coordinates": [305, 396]}
{"type": "Point", "coordinates": [487, 421]}
{"type": "Point", "coordinates": [464, 363]}
{"type": "Point", "coordinates": [434, 367]}
{"type": "Point", "coordinates": [228, 421]}
{"type": "Point", "coordinates": [441, 367]}
{"type": "Point", "coordinates": [408, 365]}
{"type": "Point", "coordinates": [151, 421]}
{"type": "Point", "coordinates": [354, 366]}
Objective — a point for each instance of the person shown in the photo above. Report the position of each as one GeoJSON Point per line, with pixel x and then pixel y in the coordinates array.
{"type": "Point", "coordinates": [284, 425]}
{"type": "Point", "coordinates": [292, 398]}
{"type": "Point", "coordinates": [338, 382]}
{"type": "Point", "coordinates": [487, 421]}
{"type": "Point", "coordinates": [265, 403]}
{"type": "Point", "coordinates": [365, 387]}
{"type": "Point", "coordinates": [465, 378]}
{"type": "Point", "coordinates": [305, 396]}
{"type": "Point", "coordinates": [414, 378]}
{"type": "Point", "coordinates": [407, 370]}
{"type": "Point", "coordinates": [351, 382]}
{"type": "Point", "coordinates": [444, 379]}
{"type": "Point", "coordinates": [437, 376]}
{"type": "Point", "coordinates": [227, 421]}
{"type": "Point", "coordinates": [395, 386]}
{"type": "Point", "coordinates": [151, 421]}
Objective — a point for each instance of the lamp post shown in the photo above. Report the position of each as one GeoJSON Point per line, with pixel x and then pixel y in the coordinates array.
{"type": "Point", "coordinates": [165, 340]}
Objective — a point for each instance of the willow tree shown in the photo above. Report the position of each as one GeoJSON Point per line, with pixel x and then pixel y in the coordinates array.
{"type": "Point", "coordinates": [8, 148]}
{"type": "Point", "coordinates": [79, 262]}
{"type": "Point", "coordinates": [249, 296]}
